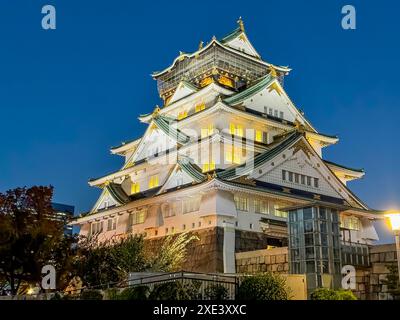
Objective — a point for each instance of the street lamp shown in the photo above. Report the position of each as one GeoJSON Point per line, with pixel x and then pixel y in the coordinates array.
{"type": "Point", "coordinates": [394, 218]}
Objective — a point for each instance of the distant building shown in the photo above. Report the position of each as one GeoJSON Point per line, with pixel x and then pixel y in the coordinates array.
{"type": "Point", "coordinates": [64, 212]}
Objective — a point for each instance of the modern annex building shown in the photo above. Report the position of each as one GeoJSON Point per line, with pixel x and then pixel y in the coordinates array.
{"type": "Point", "coordinates": [230, 157]}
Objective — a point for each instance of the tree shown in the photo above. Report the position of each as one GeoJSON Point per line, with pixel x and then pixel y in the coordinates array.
{"type": "Point", "coordinates": [31, 236]}
{"type": "Point", "coordinates": [392, 281]}
{"type": "Point", "coordinates": [172, 253]}
{"type": "Point", "coordinates": [263, 286]}
{"type": "Point", "coordinates": [102, 263]}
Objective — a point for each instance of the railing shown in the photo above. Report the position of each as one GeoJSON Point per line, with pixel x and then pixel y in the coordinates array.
{"type": "Point", "coordinates": [355, 254]}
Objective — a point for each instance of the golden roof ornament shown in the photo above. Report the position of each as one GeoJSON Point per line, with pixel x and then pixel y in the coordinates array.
{"type": "Point", "coordinates": [241, 24]}
{"type": "Point", "coordinates": [273, 71]}
{"type": "Point", "coordinates": [156, 111]}
{"type": "Point", "coordinates": [201, 45]}
{"type": "Point", "coordinates": [299, 126]}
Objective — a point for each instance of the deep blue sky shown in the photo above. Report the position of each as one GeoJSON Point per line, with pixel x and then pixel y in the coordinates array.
{"type": "Point", "coordinates": [68, 95]}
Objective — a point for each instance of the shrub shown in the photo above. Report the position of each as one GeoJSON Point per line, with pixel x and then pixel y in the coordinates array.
{"type": "Point", "coordinates": [134, 293]}
{"type": "Point", "coordinates": [264, 286]}
{"type": "Point", "coordinates": [176, 290]}
{"type": "Point", "coordinates": [346, 295]}
{"type": "Point", "coordinates": [216, 292]}
{"type": "Point", "coordinates": [330, 294]}
{"type": "Point", "coordinates": [91, 295]}
{"type": "Point", "coordinates": [111, 294]}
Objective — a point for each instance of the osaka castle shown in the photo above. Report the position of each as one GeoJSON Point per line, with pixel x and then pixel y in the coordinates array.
{"type": "Point", "coordinates": [229, 157]}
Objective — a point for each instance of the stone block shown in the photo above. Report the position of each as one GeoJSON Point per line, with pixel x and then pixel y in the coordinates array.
{"type": "Point", "coordinates": [273, 259]}
{"type": "Point", "coordinates": [280, 258]}
{"type": "Point", "coordinates": [274, 267]}
{"type": "Point", "coordinates": [383, 296]}
{"type": "Point", "coordinates": [390, 256]}
{"type": "Point", "coordinates": [374, 257]}
{"type": "Point", "coordinates": [262, 259]}
{"type": "Point", "coordinates": [286, 267]}
{"type": "Point", "coordinates": [374, 280]}
{"type": "Point", "coordinates": [263, 267]}
{"type": "Point", "coordinates": [379, 268]}
{"type": "Point", "coordinates": [267, 259]}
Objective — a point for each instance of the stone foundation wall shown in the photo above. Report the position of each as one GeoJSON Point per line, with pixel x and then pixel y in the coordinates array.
{"type": "Point", "coordinates": [369, 281]}
{"type": "Point", "coordinates": [249, 241]}
{"type": "Point", "coordinates": [275, 260]}
{"type": "Point", "coordinates": [204, 255]}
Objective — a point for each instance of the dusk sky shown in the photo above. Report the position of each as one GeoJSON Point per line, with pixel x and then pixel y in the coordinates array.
{"type": "Point", "coordinates": [68, 95]}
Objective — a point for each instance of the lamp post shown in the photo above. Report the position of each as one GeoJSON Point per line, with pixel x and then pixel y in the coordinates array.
{"type": "Point", "coordinates": [394, 219]}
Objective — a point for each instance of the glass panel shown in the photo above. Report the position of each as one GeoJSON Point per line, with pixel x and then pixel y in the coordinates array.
{"type": "Point", "coordinates": [308, 239]}
{"type": "Point", "coordinates": [310, 266]}
{"type": "Point", "coordinates": [307, 213]}
{"type": "Point", "coordinates": [308, 226]}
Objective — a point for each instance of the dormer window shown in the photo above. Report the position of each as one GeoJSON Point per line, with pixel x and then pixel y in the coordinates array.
{"type": "Point", "coordinates": [153, 182]}
{"type": "Point", "coordinates": [135, 187]}
{"type": "Point", "coordinates": [236, 129]}
{"type": "Point", "coordinates": [199, 107]}
{"type": "Point", "coordinates": [182, 115]}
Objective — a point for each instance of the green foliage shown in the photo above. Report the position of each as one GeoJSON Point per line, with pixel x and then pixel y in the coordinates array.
{"type": "Point", "coordinates": [109, 262]}
{"type": "Point", "coordinates": [392, 281]}
{"type": "Point", "coordinates": [331, 294]}
{"type": "Point", "coordinates": [134, 293]}
{"type": "Point", "coordinates": [172, 253]}
{"type": "Point", "coordinates": [176, 290]}
{"type": "Point", "coordinates": [91, 295]}
{"type": "Point", "coordinates": [264, 286]}
{"type": "Point", "coordinates": [111, 294]}
{"type": "Point", "coordinates": [346, 295]}
{"type": "Point", "coordinates": [216, 292]}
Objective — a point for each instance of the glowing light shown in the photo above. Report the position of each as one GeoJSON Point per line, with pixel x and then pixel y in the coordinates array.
{"type": "Point", "coordinates": [394, 219]}
{"type": "Point", "coordinates": [30, 291]}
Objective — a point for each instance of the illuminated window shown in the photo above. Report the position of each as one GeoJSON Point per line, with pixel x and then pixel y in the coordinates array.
{"type": "Point", "coordinates": [182, 115]}
{"type": "Point", "coordinates": [135, 187]}
{"type": "Point", "coordinates": [259, 136]}
{"type": "Point", "coordinates": [349, 222]}
{"type": "Point", "coordinates": [209, 166]}
{"type": "Point", "coordinates": [261, 206]}
{"type": "Point", "coordinates": [241, 203]}
{"type": "Point", "coordinates": [236, 129]}
{"type": "Point", "coordinates": [153, 182]}
{"type": "Point", "coordinates": [137, 217]}
{"type": "Point", "coordinates": [199, 107]}
{"type": "Point", "coordinates": [278, 212]}
{"type": "Point", "coordinates": [205, 132]}
{"type": "Point", "coordinates": [233, 154]}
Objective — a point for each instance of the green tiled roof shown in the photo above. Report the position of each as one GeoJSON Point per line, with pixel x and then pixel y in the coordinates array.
{"type": "Point", "coordinates": [344, 167]}
{"type": "Point", "coordinates": [192, 170]}
{"type": "Point", "coordinates": [117, 193]}
{"type": "Point", "coordinates": [231, 35]}
{"type": "Point", "coordinates": [163, 123]}
{"type": "Point", "coordinates": [260, 159]}
{"type": "Point", "coordinates": [239, 97]}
